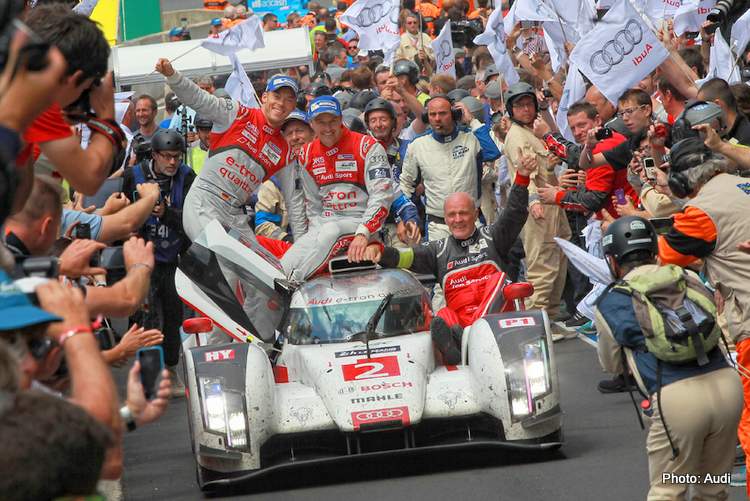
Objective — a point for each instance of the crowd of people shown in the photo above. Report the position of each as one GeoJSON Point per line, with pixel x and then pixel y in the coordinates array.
{"type": "Point", "coordinates": [469, 179]}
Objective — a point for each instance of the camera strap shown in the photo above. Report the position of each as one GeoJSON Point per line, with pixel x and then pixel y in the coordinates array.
{"type": "Point", "coordinates": [109, 129]}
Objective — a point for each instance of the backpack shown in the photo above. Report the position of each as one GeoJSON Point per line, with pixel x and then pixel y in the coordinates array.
{"type": "Point", "coordinates": [676, 313]}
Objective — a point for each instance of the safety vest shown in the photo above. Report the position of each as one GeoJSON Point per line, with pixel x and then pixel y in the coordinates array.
{"type": "Point", "coordinates": [167, 241]}
{"type": "Point", "coordinates": [196, 158]}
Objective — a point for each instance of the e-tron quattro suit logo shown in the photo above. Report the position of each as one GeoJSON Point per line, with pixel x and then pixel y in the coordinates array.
{"type": "Point", "coordinates": [375, 13]}
{"type": "Point", "coordinates": [614, 51]}
{"type": "Point", "coordinates": [377, 415]}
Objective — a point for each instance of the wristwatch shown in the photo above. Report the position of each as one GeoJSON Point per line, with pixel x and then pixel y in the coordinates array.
{"type": "Point", "coordinates": [127, 417]}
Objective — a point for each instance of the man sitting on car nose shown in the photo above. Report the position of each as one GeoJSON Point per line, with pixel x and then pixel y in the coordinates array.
{"type": "Point", "coordinates": [468, 264]}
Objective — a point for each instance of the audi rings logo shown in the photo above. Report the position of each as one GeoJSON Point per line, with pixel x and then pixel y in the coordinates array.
{"type": "Point", "coordinates": [379, 415]}
{"type": "Point", "coordinates": [614, 51]}
{"type": "Point", "coordinates": [446, 49]}
{"type": "Point", "coordinates": [376, 12]}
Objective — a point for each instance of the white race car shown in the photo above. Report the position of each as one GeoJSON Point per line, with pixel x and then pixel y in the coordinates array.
{"type": "Point", "coordinates": [352, 370]}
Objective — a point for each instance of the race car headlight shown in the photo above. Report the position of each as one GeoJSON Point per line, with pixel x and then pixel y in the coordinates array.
{"type": "Point", "coordinates": [224, 412]}
{"type": "Point", "coordinates": [528, 379]}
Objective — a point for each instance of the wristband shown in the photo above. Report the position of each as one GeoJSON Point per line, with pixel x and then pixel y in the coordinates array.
{"type": "Point", "coordinates": [141, 265]}
{"type": "Point", "coordinates": [127, 417]}
{"type": "Point", "coordinates": [521, 180]}
{"type": "Point", "coordinates": [79, 329]}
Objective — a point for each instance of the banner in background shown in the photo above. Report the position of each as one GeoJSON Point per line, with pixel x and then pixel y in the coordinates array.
{"type": "Point", "coordinates": [280, 8]}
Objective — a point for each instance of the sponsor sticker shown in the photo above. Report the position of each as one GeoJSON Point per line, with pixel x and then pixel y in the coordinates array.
{"type": "Point", "coordinates": [379, 173]}
{"type": "Point", "coordinates": [381, 415]}
{"type": "Point", "coordinates": [386, 386]}
{"type": "Point", "coordinates": [346, 166]}
{"type": "Point", "coordinates": [376, 398]}
{"type": "Point", "coordinates": [745, 187]}
{"type": "Point", "coordinates": [219, 355]}
{"type": "Point", "coordinates": [371, 368]}
{"type": "Point", "coordinates": [359, 353]}
{"type": "Point", "coordinates": [318, 170]}
{"type": "Point", "coordinates": [506, 323]}
{"type": "Point", "coordinates": [272, 151]}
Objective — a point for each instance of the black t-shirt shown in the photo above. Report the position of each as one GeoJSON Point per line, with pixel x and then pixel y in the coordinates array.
{"type": "Point", "coordinates": [619, 157]}
{"type": "Point", "coordinates": [740, 131]}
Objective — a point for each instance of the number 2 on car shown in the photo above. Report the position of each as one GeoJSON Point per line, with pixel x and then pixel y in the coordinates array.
{"type": "Point", "coordinates": [369, 368]}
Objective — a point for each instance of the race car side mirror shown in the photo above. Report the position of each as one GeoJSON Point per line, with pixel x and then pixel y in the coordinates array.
{"type": "Point", "coordinates": [518, 290]}
{"type": "Point", "coordinates": [197, 325]}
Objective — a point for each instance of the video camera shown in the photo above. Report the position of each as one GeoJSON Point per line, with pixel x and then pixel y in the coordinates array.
{"type": "Point", "coordinates": [463, 32]}
{"type": "Point", "coordinates": [724, 14]}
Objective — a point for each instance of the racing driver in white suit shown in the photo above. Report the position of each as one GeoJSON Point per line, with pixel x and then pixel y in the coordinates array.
{"type": "Point", "coordinates": [247, 148]}
{"type": "Point", "coordinates": [347, 182]}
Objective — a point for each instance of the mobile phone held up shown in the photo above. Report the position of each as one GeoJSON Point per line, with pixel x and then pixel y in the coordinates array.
{"type": "Point", "coordinates": [152, 363]}
{"type": "Point", "coordinates": [603, 133]}
{"type": "Point", "coordinates": [649, 166]}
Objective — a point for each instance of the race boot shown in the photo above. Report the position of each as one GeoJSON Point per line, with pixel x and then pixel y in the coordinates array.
{"type": "Point", "coordinates": [444, 338]}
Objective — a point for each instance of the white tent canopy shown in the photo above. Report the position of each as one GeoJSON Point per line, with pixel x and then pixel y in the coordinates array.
{"type": "Point", "coordinates": [135, 64]}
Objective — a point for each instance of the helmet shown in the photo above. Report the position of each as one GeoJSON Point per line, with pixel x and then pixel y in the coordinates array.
{"type": "Point", "coordinates": [319, 88]}
{"type": "Point", "coordinates": [456, 95]}
{"type": "Point", "coordinates": [361, 99]}
{"type": "Point", "coordinates": [696, 113]}
{"type": "Point", "coordinates": [380, 104]}
{"type": "Point", "coordinates": [629, 234]}
{"type": "Point", "coordinates": [344, 97]}
{"type": "Point", "coordinates": [517, 90]}
{"type": "Point", "coordinates": [406, 67]}
{"type": "Point", "coordinates": [202, 122]}
{"type": "Point", "coordinates": [352, 121]}
{"type": "Point", "coordinates": [167, 140]}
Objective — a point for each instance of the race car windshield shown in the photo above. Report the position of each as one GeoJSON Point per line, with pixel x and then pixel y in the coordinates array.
{"type": "Point", "coordinates": [339, 323]}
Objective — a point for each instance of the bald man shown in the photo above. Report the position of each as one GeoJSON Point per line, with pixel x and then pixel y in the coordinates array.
{"type": "Point", "coordinates": [468, 263]}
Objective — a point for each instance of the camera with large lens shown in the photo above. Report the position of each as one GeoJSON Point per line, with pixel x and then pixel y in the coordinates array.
{"type": "Point", "coordinates": [463, 32]}
{"type": "Point", "coordinates": [724, 14]}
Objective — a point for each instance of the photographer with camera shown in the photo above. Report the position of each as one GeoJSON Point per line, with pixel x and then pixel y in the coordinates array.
{"type": "Point", "coordinates": [164, 229]}
{"type": "Point", "coordinates": [33, 233]}
{"type": "Point", "coordinates": [711, 227]}
{"type": "Point", "coordinates": [85, 86]}
{"type": "Point", "coordinates": [645, 320]}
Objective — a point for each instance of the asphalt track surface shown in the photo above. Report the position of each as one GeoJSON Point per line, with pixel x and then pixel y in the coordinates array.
{"type": "Point", "coordinates": [603, 458]}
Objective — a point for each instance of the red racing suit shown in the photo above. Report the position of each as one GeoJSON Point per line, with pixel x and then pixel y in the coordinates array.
{"type": "Point", "coordinates": [348, 188]}
{"type": "Point", "coordinates": [470, 270]}
{"type": "Point", "coordinates": [601, 182]}
{"type": "Point", "coordinates": [245, 151]}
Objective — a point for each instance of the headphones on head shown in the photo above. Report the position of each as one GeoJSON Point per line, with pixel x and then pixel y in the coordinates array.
{"type": "Point", "coordinates": [678, 181]}
{"type": "Point", "coordinates": [456, 113]}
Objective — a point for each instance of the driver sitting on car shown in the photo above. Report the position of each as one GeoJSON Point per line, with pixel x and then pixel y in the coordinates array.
{"type": "Point", "coordinates": [468, 263]}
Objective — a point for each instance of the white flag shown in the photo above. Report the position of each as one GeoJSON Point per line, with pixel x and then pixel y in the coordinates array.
{"type": "Point", "coordinates": [246, 35]}
{"type": "Point", "coordinates": [619, 52]}
{"type": "Point", "coordinates": [443, 48]}
{"type": "Point", "coordinates": [376, 23]}
{"type": "Point", "coordinates": [528, 10]}
{"type": "Point", "coordinates": [574, 91]}
{"type": "Point", "coordinates": [741, 33]}
{"type": "Point", "coordinates": [85, 7]}
{"type": "Point", "coordinates": [555, 36]}
{"type": "Point", "coordinates": [691, 15]}
{"type": "Point", "coordinates": [494, 38]}
{"type": "Point", "coordinates": [661, 9]}
{"type": "Point", "coordinates": [721, 63]}
{"type": "Point", "coordinates": [238, 84]}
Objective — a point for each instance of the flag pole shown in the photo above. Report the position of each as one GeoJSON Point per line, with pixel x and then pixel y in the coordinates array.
{"type": "Point", "coordinates": [180, 56]}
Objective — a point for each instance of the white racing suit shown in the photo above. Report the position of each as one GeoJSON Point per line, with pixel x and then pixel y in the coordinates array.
{"type": "Point", "coordinates": [245, 151]}
{"type": "Point", "coordinates": [349, 189]}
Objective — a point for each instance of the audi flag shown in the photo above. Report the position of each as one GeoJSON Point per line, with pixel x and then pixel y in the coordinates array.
{"type": "Point", "coordinates": [619, 52]}
{"type": "Point", "coordinates": [574, 91]}
{"type": "Point", "coordinates": [238, 84]}
{"type": "Point", "coordinates": [246, 35]}
{"type": "Point", "coordinates": [443, 48]}
{"type": "Point", "coordinates": [494, 38]}
{"type": "Point", "coordinates": [376, 23]}
{"type": "Point", "coordinates": [528, 10]}
{"type": "Point", "coordinates": [691, 15]}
